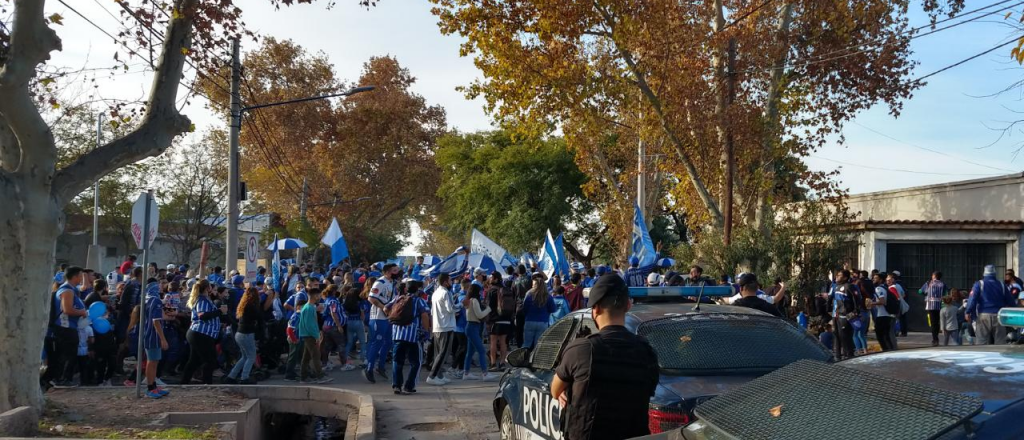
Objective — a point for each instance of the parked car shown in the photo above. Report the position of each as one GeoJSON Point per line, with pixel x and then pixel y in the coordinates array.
{"type": "Point", "coordinates": [701, 353]}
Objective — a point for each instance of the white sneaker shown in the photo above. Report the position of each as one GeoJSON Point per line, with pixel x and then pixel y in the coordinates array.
{"type": "Point", "coordinates": [348, 367]}
{"type": "Point", "coordinates": [160, 383]}
{"type": "Point", "coordinates": [436, 381]}
{"type": "Point", "coordinates": [470, 376]}
{"type": "Point", "coordinates": [489, 377]}
{"type": "Point", "coordinates": [446, 380]}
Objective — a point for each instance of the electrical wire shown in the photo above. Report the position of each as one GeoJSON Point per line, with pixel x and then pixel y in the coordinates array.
{"type": "Point", "coordinates": [931, 150]}
{"type": "Point", "coordinates": [897, 170]}
{"type": "Point", "coordinates": [742, 17]}
{"type": "Point", "coordinates": [972, 57]}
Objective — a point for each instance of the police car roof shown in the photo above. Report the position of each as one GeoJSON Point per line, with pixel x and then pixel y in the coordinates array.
{"type": "Point", "coordinates": [651, 311]}
{"type": "Point", "coordinates": [992, 373]}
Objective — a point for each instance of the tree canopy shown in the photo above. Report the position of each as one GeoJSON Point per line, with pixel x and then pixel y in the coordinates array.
{"type": "Point", "coordinates": [512, 189]}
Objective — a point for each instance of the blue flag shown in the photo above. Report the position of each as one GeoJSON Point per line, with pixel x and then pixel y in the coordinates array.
{"type": "Point", "coordinates": [335, 239]}
{"type": "Point", "coordinates": [275, 269]}
{"type": "Point", "coordinates": [561, 263]}
{"type": "Point", "coordinates": [642, 246]}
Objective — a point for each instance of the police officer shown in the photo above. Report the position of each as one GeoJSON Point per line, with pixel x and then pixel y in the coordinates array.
{"type": "Point", "coordinates": [605, 381]}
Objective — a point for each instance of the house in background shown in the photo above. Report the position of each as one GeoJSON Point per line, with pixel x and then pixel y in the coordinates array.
{"type": "Point", "coordinates": [956, 228]}
{"type": "Point", "coordinates": [72, 246]}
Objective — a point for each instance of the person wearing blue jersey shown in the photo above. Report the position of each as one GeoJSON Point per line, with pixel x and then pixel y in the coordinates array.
{"type": "Point", "coordinates": [69, 308]}
{"type": "Point", "coordinates": [407, 346]}
{"type": "Point", "coordinates": [154, 340]}
{"type": "Point", "coordinates": [59, 276]}
{"type": "Point", "coordinates": [561, 304]}
{"type": "Point", "coordinates": [590, 279]}
{"type": "Point", "coordinates": [537, 310]}
{"type": "Point", "coordinates": [203, 334]}
{"type": "Point", "coordinates": [333, 338]}
{"type": "Point", "coordinates": [217, 277]}
{"type": "Point", "coordinates": [415, 269]}
{"type": "Point", "coordinates": [381, 294]}
{"type": "Point", "coordinates": [235, 293]}
{"type": "Point", "coordinates": [291, 372]}
{"type": "Point", "coordinates": [636, 276]}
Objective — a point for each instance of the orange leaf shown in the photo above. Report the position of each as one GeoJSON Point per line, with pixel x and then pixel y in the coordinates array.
{"type": "Point", "coordinates": [776, 411]}
{"type": "Point", "coordinates": [56, 19]}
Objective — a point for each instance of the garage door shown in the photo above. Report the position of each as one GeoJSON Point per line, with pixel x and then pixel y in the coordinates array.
{"type": "Point", "coordinates": [961, 265]}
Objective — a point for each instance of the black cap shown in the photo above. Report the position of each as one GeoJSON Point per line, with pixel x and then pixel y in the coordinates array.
{"type": "Point", "coordinates": [608, 286]}
{"type": "Point", "coordinates": [747, 278]}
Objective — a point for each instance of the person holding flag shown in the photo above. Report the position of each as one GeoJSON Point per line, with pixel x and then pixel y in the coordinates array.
{"type": "Point", "coordinates": [636, 275]}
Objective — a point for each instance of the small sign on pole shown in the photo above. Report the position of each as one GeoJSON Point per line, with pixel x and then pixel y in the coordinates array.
{"type": "Point", "coordinates": [252, 252]}
{"type": "Point", "coordinates": [144, 220]}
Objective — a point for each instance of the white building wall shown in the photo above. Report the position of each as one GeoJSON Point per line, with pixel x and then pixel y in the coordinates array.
{"type": "Point", "coordinates": [984, 199]}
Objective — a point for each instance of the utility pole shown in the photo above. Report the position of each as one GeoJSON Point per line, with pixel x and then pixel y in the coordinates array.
{"type": "Point", "coordinates": [641, 178]}
{"type": "Point", "coordinates": [302, 215]}
{"type": "Point", "coordinates": [94, 258]}
{"type": "Point", "coordinates": [730, 154]}
{"type": "Point", "coordinates": [231, 240]}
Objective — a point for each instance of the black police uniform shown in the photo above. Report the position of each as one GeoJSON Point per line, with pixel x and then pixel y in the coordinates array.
{"type": "Point", "coordinates": [612, 375]}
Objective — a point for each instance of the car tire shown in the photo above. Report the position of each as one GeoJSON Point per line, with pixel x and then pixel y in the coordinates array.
{"type": "Point", "coordinates": [508, 426]}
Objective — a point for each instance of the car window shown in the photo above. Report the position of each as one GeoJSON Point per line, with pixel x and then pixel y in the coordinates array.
{"type": "Point", "coordinates": [587, 327]}
{"type": "Point", "coordinates": [550, 344]}
{"type": "Point", "coordinates": [724, 343]}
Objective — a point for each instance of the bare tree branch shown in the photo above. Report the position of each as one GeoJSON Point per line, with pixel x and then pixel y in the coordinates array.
{"type": "Point", "coordinates": [160, 126]}
{"type": "Point", "coordinates": [31, 44]}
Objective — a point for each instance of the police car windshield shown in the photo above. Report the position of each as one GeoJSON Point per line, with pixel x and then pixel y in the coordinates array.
{"type": "Point", "coordinates": [725, 343]}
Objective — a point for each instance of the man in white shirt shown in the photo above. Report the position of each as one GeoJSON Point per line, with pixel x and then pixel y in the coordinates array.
{"type": "Point", "coordinates": [442, 310]}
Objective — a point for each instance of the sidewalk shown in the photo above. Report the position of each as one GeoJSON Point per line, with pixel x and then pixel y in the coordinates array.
{"type": "Point", "coordinates": [460, 410]}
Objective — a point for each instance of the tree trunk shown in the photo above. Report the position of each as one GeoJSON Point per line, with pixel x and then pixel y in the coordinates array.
{"type": "Point", "coordinates": [771, 116]}
{"type": "Point", "coordinates": [31, 223]}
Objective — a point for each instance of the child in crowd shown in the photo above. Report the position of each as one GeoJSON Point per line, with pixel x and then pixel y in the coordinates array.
{"type": "Point", "coordinates": [309, 333]}
{"type": "Point", "coordinates": [561, 304]}
{"type": "Point", "coordinates": [826, 336]}
{"type": "Point", "coordinates": [948, 321]}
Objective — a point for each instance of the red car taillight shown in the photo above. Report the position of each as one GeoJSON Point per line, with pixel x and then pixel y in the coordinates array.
{"type": "Point", "coordinates": [661, 419]}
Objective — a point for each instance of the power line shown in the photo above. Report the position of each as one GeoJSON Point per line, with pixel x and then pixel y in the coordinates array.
{"type": "Point", "coordinates": [826, 57]}
{"type": "Point", "coordinates": [986, 52]}
{"type": "Point", "coordinates": [749, 13]}
{"type": "Point", "coordinates": [931, 150]}
{"type": "Point", "coordinates": [897, 170]}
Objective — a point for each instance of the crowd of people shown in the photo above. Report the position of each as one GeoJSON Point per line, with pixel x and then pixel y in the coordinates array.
{"type": "Point", "coordinates": [387, 320]}
{"type": "Point", "coordinates": [310, 322]}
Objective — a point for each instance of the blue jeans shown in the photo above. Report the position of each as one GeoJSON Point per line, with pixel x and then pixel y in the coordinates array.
{"type": "Point", "coordinates": [475, 344]}
{"type": "Point", "coordinates": [356, 332]}
{"type": "Point", "coordinates": [405, 351]}
{"type": "Point", "coordinates": [380, 343]}
{"type": "Point", "coordinates": [247, 344]}
{"type": "Point", "coordinates": [860, 336]}
{"type": "Point", "coordinates": [532, 331]}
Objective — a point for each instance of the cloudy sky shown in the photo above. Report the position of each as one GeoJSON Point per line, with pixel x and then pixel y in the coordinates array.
{"type": "Point", "coordinates": [948, 131]}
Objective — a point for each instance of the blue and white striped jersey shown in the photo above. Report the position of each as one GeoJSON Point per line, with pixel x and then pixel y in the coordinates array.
{"type": "Point", "coordinates": [410, 333]}
{"type": "Point", "coordinates": [210, 327]}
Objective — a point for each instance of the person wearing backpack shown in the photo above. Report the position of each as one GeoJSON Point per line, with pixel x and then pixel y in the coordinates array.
{"type": "Point", "coordinates": [503, 305]}
{"type": "Point", "coordinates": [410, 320]}
{"type": "Point", "coordinates": [885, 305]}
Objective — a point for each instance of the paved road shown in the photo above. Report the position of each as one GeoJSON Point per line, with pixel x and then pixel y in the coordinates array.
{"type": "Point", "coordinates": [460, 410]}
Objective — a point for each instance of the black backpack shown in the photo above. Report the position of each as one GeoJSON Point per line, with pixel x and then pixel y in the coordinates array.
{"type": "Point", "coordinates": [506, 302]}
{"type": "Point", "coordinates": [400, 311]}
{"type": "Point", "coordinates": [892, 303]}
{"type": "Point", "coordinates": [351, 303]}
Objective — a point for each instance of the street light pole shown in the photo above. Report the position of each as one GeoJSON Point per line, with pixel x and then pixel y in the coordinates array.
{"type": "Point", "coordinates": [231, 241]}
{"type": "Point", "coordinates": [237, 110]}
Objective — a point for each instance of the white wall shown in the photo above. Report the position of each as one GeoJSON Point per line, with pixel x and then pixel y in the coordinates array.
{"type": "Point", "coordinates": [989, 199]}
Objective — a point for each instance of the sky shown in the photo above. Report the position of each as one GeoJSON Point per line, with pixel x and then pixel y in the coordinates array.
{"type": "Point", "coordinates": [948, 130]}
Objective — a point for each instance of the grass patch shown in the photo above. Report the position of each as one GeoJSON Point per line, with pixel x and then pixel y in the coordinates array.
{"type": "Point", "coordinates": [177, 432]}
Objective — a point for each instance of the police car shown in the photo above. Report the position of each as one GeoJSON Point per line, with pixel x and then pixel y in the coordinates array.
{"type": "Point", "coordinates": [948, 393]}
{"type": "Point", "coordinates": [702, 352]}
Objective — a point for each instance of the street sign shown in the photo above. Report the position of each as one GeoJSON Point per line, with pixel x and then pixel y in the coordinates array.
{"type": "Point", "coordinates": [139, 220]}
{"type": "Point", "coordinates": [252, 252]}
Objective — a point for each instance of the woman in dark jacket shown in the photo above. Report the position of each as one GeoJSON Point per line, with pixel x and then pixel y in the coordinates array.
{"type": "Point", "coordinates": [250, 315]}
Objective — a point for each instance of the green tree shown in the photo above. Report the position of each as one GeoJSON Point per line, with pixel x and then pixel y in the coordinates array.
{"type": "Point", "coordinates": [510, 189]}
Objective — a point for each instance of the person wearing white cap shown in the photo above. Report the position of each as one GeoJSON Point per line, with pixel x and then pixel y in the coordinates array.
{"type": "Point", "coordinates": [653, 280]}
{"type": "Point", "coordinates": [988, 295]}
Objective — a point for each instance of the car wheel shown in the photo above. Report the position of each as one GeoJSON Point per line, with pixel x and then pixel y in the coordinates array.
{"type": "Point", "coordinates": [508, 427]}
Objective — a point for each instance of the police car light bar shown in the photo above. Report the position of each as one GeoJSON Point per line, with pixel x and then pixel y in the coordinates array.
{"type": "Point", "coordinates": [1011, 317]}
{"type": "Point", "coordinates": [680, 291]}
